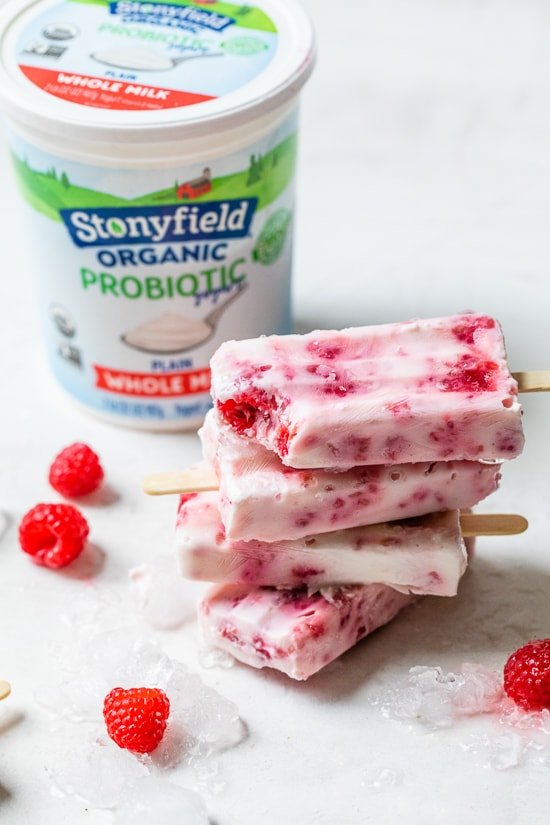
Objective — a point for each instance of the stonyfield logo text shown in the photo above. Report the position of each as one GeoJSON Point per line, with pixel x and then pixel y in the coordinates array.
{"type": "Point", "coordinates": [215, 220]}
{"type": "Point", "coordinates": [168, 14]}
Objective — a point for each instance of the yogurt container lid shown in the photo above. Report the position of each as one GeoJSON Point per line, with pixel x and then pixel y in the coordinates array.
{"type": "Point", "coordinates": [140, 70]}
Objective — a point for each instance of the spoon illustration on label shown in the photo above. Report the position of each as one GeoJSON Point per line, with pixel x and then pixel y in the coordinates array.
{"type": "Point", "coordinates": [144, 60]}
{"type": "Point", "coordinates": [173, 333]}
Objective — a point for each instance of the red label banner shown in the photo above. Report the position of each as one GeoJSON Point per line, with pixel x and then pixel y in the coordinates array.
{"type": "Point", "coordinates": [104, 93]}
{"type": "Point", "coordinates": [152, 385]}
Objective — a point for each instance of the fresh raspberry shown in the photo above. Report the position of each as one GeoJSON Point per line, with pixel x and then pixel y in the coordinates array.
{"type": "Point", "coordinates": [53, 534]}
{"type": "Point", "coordinates": [136, 718]}
{"type": "Point", "coordinates": [527, 675]}
{"type": "Point", "coordinates": [76, 471]}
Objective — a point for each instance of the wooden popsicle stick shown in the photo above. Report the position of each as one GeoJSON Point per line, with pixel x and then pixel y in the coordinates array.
{"type": "Point", "coordinates": [533, 380]}
{"type": "Point", "coordinates": [203, 479]}
{"type": "Point", "coordinates": [199, 480]}
{"type": "Point", "coordinates": [492, 524]}
{"type": "Point", "coordinates": [5, 689]}
{"type": "Point", "coordinates": [193, 480]}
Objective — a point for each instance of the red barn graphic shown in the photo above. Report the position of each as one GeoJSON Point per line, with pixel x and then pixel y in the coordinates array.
{"type": "Point", "coordinates": [195, 188]}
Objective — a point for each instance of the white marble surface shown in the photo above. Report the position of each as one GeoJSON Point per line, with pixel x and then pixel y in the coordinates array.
{"type": "Point", "coordinates": [424, 189]}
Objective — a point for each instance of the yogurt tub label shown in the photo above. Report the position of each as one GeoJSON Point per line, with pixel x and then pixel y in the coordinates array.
{"type": "Point", "coordinates": [143, 273]}
{"type": "Point", "coordinates": [154, 144]}
{"type": "Point", "coordinates": [144, 56]}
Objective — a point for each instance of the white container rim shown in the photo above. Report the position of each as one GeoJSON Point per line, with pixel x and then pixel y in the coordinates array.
{"type": "Point", "coordinates": [274, 87]}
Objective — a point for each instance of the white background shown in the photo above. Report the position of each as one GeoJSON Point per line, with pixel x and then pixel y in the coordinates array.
{"type": "Point", "coordinates": [424, 188]}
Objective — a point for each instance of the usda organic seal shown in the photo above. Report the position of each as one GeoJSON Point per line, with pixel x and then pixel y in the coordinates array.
{"type": "Point", "coordinates": [272, 237]}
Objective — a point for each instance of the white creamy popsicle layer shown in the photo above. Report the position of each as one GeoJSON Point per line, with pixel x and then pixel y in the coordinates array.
{"type": "Point", "coordinates": [261, 498]}
{"type": "Point", "coordinates": [425, 555]}
{"type": "Point", "coordinates": [426, 390]}
{"type": "Point", "coordinates": [292, 631]}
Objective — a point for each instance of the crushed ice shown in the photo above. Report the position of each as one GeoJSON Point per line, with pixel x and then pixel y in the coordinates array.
{"type": "Point", "coordinates": [165, 599]}
{"type": "Point", "coordinates": [94, 768]}
{"type": "Point", "coordinates": [433, 700]}
{"type": "Point", "coordinates": [209, 779]}
{"type": "Point", "coordinates": [210, 657]}
{"type": "Point", "coordinates": [378, 779]}
{"type": "Point", "coordinates": [201, 723]}
{"type": "Point", "coordinates": [163, 803]}
{"type": "Point", "coordinates": [534, 720]}
{"type": "Point", "coordinates": [499, 752]}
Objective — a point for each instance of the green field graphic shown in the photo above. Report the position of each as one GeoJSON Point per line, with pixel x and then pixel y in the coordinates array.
{"type": "Point", "coordinates": [266, 178]}
{"type": "Point", "coordinates": [247, 17]}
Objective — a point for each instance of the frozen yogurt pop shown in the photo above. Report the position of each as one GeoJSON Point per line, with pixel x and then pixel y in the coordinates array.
{"type": "Point", "coordinates": [261, 498]}
{"type": "Point", "coordinates": [426, 390]}
{"type": "Point", "coordinates": [424, 555]}
{"type": "Point", "coordinates": [292, 631]}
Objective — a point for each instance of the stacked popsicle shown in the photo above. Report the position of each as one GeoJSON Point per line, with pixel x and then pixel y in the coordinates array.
{"type": "Point", "coordinates": [343, 459]}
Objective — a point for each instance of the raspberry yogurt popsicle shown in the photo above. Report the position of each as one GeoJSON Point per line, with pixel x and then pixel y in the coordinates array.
{"type": "Point", "coordinates": [426, 390]}
{"type": "Point", "coordinates": [424, 555]}
{"type": "Point", "coordinates": [292, 631]}
{"type": "Point", "coordinates": [261, 498]}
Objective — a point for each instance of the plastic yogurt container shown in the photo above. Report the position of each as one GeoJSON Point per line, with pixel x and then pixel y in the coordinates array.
{"type": "Point", "coordinates": [154, 146]}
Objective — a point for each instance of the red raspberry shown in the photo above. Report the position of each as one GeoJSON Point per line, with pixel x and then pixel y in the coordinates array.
{"type": "Point", "coordinates": [471, 376]}
{"type": "Point", "coordinates": [76, 471]}
{"type": "Point", "coordinates": [53, 534]}
{"type": "Point", "coordinates": [283, 437]}
{"type": "Point", "coordinates": [136, 718]}
{"type": "Point", "coordinates": [527, 675]}
{"type": "Point", "coordinates": [241, 412]}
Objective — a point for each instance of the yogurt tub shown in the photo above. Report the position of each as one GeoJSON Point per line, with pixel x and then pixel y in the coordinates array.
{"type": "Point", "coordinates": [154, 146]}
